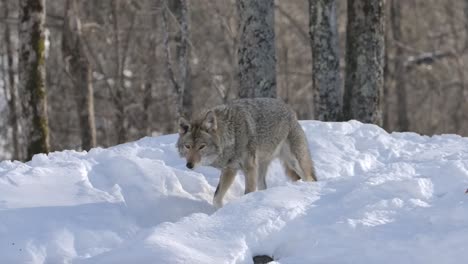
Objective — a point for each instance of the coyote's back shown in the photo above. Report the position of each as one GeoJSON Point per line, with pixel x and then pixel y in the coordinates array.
{"type": "Point", "coordinates": [246, 134]}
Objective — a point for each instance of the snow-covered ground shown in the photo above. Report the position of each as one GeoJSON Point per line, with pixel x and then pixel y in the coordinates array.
{"type": "Point", "coordinates": [381, 198]}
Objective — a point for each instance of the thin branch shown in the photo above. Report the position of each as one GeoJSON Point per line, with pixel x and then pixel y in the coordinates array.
{"type": "Point", "coordinates": [128, 40]}
{"type": "Point", "coordinates": [427, 58]}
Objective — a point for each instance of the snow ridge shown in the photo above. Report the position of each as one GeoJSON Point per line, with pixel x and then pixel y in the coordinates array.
{"type": "Point", "coordinates": [381, 197]}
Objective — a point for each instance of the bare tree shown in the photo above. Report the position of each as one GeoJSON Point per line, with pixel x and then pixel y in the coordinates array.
{"type": "Point", "coordinates": [118, 91]}
{"type": "Point", "coordinates": [326, 62]}
{"type": "Point", "coordinates": [32, 76]}
{"type": "Point", "coordinates": [257, 58]}
{"type": "Point", "coordinates": [78, 67]}
{"type": "Point", "coordinates": [124, 42]}
{"type": "Point", "coordinates": [387, 86]}
{"type": "Point", "coordinates": [181, 11]}
{"type": "Point", "coordinates": [11, 83]}
{"type": "Point", "coordinates": [465, 14]}
{"type": "Point", "coordinates": [181, 83]}
{"type": "Point", "coordinates": [459, 50]}
{"type": "Point", "coordinates": [399, 72]}
{"type": "Point", "coordinates": [364, 61]}
{"type": "Point", "coordinates": [147, 85]}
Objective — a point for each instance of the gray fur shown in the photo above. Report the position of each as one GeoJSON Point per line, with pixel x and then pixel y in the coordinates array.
{"type": "Point", "coordinates": [246, 135]}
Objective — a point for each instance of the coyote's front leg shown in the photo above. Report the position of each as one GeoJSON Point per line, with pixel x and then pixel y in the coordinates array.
{"type": "Point", "coordinates": [226, 179]}
{"type": "Point", "coordinates": [250, 169]}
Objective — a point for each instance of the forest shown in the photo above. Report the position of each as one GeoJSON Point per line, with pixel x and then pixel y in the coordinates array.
{"type": "Point", "coordinates": [76, 74]}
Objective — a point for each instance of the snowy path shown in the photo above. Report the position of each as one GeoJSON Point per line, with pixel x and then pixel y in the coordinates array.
{"type": "Point", "coordinates": [381, 198]}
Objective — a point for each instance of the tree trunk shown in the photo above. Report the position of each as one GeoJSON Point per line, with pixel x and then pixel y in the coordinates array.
{"type": "Point", "coordinates": [32, 76]}
{"type": "Point", "coordinates": [147, 115]}
{"type": "Point", "coordinates": [399, 73]}
{"type": "Point", "coordinates": [465, 14]}
{"type": "Point", "coordinates": [182, 84]}
{"type": "Point", "coordinates": [169, 70]}
{"type": "Point", "coordinates": [364, 61]}
{"type": "Point", "coordinates": [462, 108]}
{"type": "Point", "coordinates": [79, 69]}
{"type": "Point", "coordinates": [181, 12]}
{"type": "Point", "coordinates": [147, 84]}
{"type": "Point", "coordinates": [326, 61]}
{"type": "Point", "coordinates": [119, 92]}
{"type": "Point", "coordinates": [13, 102]}
{"type": "Point", "coordinates": [387, 87]}
{"type": "Point", "coordinates": [257, 58]}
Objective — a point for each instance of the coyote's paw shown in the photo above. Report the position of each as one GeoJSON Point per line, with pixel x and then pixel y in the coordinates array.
{"type": "Point", "coordinates": [217, 203]}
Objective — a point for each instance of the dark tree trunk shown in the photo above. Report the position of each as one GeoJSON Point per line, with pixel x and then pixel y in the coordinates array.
{"type": "Point", "coordinates": [364, 61]}
{"type": "Point", "coordinates": [79, 70]}
{"type": "Point", "coordinates": [32, 76]}
{"type": "Point", "coordinates": [326, 61]}
{"type": "Point", "coordinates": [257, 58]}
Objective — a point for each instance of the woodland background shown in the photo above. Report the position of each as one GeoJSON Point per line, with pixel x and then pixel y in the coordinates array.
{"type": "Point", "coordinates": [134, 54]}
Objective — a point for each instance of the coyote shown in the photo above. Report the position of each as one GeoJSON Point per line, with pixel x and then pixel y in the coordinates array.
{"type": "Point", "coordinates": [246, 135]}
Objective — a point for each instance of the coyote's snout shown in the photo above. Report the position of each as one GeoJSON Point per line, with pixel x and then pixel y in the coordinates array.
{"type": "Point", "coordinates": [246, 134]}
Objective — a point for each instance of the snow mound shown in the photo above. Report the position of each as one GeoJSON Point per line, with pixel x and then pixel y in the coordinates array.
{"type": "Point", "coordinates": [381, 198]}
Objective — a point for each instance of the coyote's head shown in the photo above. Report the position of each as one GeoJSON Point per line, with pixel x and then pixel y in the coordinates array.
{"type": "Point", "coordinates": [198, 141]}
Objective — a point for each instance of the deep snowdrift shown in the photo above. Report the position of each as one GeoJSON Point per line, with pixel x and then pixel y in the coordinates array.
{"type": "Point", "coordinates": [381, 198]}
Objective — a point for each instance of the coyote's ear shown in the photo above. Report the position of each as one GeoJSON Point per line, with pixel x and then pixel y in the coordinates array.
{"type": "Point", "coordinates": [184, 126]}
{"type": "Point", "coordinates": [209, 123]}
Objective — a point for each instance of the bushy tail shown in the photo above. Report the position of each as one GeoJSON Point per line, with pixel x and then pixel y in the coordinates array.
{"type": "Point", "coordinates": [302, 162]}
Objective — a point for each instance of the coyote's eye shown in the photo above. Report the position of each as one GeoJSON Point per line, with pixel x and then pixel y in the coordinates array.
{"type": "Point", "coordinates": [202, 146]}
{"type": "Point", "coordinates": [187, 146]}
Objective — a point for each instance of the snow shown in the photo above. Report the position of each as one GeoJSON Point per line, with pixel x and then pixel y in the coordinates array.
{"type": "Point", "coordinates": [381, 198]}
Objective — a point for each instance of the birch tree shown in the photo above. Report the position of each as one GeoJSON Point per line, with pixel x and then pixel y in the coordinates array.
{"type": "Point", "coordinates": [257, 59]}
{"type": "Point", "coordinates": [32, 76]}
{"type": "Point", "coordinates": [364, 61]}
{"type": "Point", "coordinates": [326, 62]}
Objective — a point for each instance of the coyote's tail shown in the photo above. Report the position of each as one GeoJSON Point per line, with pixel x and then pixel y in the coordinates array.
{"type": "Point", "coordinates": [302, 161]}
